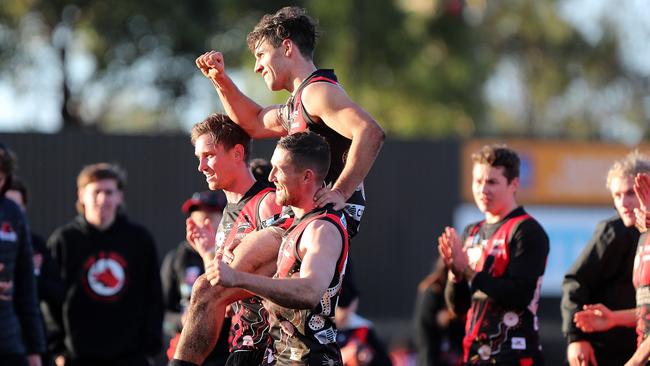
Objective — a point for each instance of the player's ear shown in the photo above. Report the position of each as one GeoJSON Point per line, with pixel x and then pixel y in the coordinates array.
{"type": "Point", "coordinates": [308, 176]}
{"type": "Point", "coordinates": [287, 47]}
{"type": "Point", "coordinates": [238, 151]}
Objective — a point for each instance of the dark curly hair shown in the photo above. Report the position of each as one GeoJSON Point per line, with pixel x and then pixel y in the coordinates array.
{"type": "Point", "coordinates": [290, 22]}
{"type": "Point", "coordinates": [499, 155]}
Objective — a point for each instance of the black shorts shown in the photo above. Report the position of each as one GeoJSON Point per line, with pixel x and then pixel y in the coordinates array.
{"type": "Point", "coordinates": [246, 358]}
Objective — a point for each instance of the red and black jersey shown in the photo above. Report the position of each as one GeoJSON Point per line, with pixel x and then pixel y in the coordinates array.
{"type": "Point", "coordinates": [307, 336]}
{"type": "Point", "coordinates": [509, 258]}
{"type": "Point", "coordinates": [641, 280]}
{"type": "Point", "coordinates": [296, 119]}
{"type": "Point", "coordinates": [250, 328]}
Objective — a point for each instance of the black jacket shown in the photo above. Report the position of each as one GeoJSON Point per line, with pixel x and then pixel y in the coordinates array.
{"type": "Point", "coordinates": [21, 329]}
{"type": "Point", "coordinates": [603, 274]}
{"type": "Point", "coordinates": [113, 302]}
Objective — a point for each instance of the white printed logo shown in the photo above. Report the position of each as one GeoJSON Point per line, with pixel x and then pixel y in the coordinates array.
{"type": "Point", "coordinates": [106, 277]}
{"type": "Point", "coordinates": [518, 343]}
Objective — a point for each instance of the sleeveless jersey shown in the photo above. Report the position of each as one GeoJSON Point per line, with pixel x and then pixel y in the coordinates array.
{"type": "Point", "coordinates": [307, 336]}
{"type": "Point", "coordinates": [295, 118]}
{"type": "Point", "coordinates": [495, 333]}
{"type": "Point", "coordinates": [641, 280]}
{"type": "Point", "coordinates": [249, 329]}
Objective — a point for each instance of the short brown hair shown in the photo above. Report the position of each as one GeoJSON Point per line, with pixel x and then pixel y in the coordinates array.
{"type": "Point", "coordinates": [223, 131]}
{"type": "Point", "coordinates": [499, 155]}
{"type": "Point", "coordinates": [633, 163]}
{"type": "Point", "coordinates": [100, 171]}
{"type": "Point", "coordinates": [290, 22]}
{"type": "Point", "coordinates": [308, 151]}
{"type": "Point", "coordinates": [8, 166]}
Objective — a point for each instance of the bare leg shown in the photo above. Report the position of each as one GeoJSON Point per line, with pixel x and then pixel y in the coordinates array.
{"type": "Point", "coordinates": [257, 253]}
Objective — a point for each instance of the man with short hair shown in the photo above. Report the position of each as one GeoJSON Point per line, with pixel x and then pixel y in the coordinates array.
{"type": "Point", "coordinates": [602, 274]}
{"type": "Point", "coordinates": [112, 312]}
{"type": "Point", "coordinates": [21, 329]}
{"type": "Point", "coordinates": [599, 318]}
{"type": "Point", "coordinates": [496, 267]}
{"type": "Point", "coordinates": [223, 149]}
{"type": "Point", "coordinates": [302, 295]}
{"type": "Point", "coordinates": [283, 45]}
{"type": "Point", "coordinates": [48, 282]}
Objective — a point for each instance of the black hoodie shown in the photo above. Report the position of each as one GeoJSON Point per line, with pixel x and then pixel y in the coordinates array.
{"type": "Point", "coordinates": [113, 302]}
{"type": "Point", "coordinates": [21, 329]}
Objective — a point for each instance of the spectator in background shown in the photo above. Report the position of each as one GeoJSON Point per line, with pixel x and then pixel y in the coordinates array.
{"type": "Point", "coordinates": [438, 332]}
{"type": "Point", "coordinates": [359, 342]}
{"type": "Point", "coordinates": [183, 265]}
{"type": "Point", "coordinates": [261, 169]}
{"type": "Point", "coordinates": [599, 318]}
{"type": "Point", "coordinates": [21, 329]}
{"type": "Point", "coordinates": [602, 274]}
{"type": "Point", "coordinates": [112, 313]}
{"type": "Point", "coordinates": [49, 284]}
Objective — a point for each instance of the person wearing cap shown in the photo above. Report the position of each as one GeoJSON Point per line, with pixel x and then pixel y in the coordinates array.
{"type": "Point", "coordinates": [113, 311]}
{"type": "Point", "coordinates": [223, 150]}
{"type": "Point", "coordinates": [183, 265]}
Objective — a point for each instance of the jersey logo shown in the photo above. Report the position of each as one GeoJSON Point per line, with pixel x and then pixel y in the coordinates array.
{"type": "Point", "coordinates": [7, 233]}
{"type": "Point", "coordinates": [105, 276]}
{"type": "Point", "coordinates": [518, 343]}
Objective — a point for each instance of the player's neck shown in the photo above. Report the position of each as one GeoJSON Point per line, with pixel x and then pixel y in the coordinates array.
{"type": "Point", "coordinates": [300, 73]}
{"type": "Point", "coordinates": [239, 186]}
{"type": "Point", "coordinates": [304, 205]}
{"type": "Point", "coordinates": [494, 217]}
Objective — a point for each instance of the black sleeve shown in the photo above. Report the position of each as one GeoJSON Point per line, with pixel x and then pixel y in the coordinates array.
{"type": "Point", "coordinates": [153, 322]}
{"type": "Point", "coordinates": [53, 310]}
{"type": "Point", "coordinates": [50, 285]}
{"type": "Point", "coordinates": [528, 250]}
{"type": "Point", "coordinates": [169, 280]}
{"type": "Point", "coordinates": [585, 275]}
{"type": "Point", "coordinates": [25, 300]}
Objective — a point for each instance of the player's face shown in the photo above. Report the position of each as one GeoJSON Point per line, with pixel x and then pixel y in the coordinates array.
{"type": "Point", "coordinates": [100, 200]}
{"type": "Point", "coordinates": [625, 200]}
{"type": "Point", "coordinates": [492, 192]}
{"type": "Point", "coordinates": [214, 162]}
{"type": "Point", "coordinates": [271, 62]}
{"type": "Point", "coordinates": [285, 177]}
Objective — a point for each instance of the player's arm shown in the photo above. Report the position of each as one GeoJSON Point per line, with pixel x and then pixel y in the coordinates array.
{"type": "Point", "coordinates": [257, 121]}
{"type": "Point", "coordinates": [640, 357]}
{"type": "Point", "coordinates": [320, 247]}
{"type": "Point", "coordinates": [598, 318]}
{"type": "Point", "coordinates": [331, 104]}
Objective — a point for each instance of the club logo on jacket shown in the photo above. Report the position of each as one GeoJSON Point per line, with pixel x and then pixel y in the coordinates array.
{"type": "Point", "coordinates": [105, 275]}
{"type": "Point", "coordinates": [7, 233]}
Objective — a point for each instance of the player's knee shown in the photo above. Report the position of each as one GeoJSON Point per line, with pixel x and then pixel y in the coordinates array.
{"type": "Point", "coordinates": [202, 290]}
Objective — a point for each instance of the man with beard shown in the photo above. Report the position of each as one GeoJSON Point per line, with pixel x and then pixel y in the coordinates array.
{"type": "Point", "coordinates": [302, 295]}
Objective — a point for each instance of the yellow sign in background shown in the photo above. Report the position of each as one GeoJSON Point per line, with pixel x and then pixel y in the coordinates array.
{"type": "Point", "coordinates": [555, 172]}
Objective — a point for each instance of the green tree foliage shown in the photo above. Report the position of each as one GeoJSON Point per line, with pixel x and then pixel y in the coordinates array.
{"type": "Point", "coordinates": [423, 68]}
